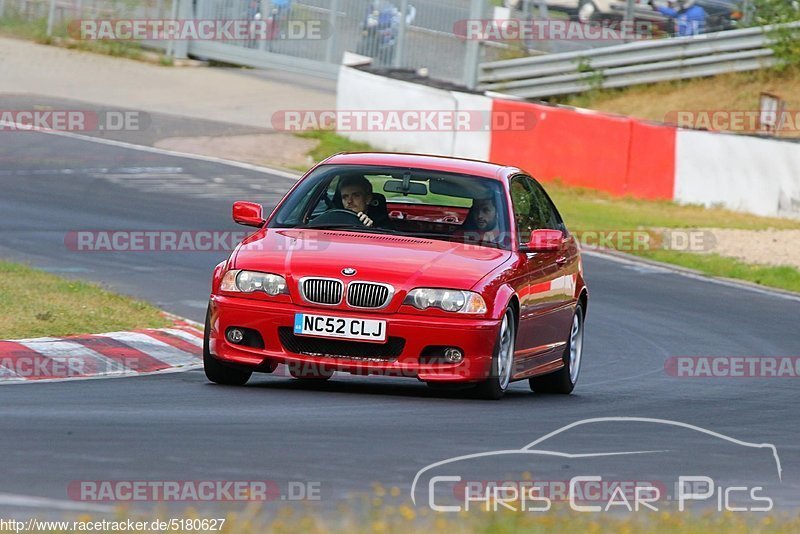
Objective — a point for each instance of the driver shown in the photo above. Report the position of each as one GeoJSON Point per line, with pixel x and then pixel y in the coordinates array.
{"type": "Point", "coordinates": [356, 194]}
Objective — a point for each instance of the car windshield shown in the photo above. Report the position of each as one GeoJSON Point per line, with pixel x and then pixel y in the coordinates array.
{"type": "Point", "coordinates": [404, 201]}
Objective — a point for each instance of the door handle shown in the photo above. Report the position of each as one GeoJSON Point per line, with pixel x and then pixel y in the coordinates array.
{"type": "Point", "coordinates": [561, 260]}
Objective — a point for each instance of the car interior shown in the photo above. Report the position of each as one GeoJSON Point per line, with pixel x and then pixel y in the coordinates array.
{"type": "Point", "coordinates": [421, 205]}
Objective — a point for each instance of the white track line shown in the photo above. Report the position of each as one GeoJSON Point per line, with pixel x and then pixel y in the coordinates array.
{"type": "Point", "coordinates": [682, 271]}
{"type": "Point", "coordinates": [154, 150]}
{"type": "Point", "coordinates": [168, 370]}
{"type": "Point", "coordinates": [29, 501]}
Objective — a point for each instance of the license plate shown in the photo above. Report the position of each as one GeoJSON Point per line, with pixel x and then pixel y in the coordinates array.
{"type": "Point", "coordinates": [306, 324]}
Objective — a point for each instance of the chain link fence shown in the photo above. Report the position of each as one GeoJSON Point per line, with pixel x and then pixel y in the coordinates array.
{"type": "Point", "coordinates": [422, 35]}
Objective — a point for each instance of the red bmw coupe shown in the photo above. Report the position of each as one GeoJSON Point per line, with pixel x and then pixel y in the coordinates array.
{"type": "Point", "coordinates": [451, 271]}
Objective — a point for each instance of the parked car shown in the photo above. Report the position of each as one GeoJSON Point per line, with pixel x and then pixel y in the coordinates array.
{"type": "Point", "coordinates": [722, 14]}
{"type": "Point", "coordinates": [451, 271]}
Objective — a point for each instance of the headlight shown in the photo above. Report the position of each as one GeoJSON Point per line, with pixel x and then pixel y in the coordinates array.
{"type": "Point", "coordinates": [452, 300]}
{"type": "Point", "coordinates": [250, 281]}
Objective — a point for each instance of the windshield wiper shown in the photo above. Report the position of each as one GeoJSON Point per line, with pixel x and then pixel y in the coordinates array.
{"type": "Point", "coordinates": [357, 227]}
{"type": "Point", "coordinates": [451, 238]}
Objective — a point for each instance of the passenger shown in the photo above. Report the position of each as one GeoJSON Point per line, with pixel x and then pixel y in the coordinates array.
{"type": "Point", "coordinates": [481, 224]}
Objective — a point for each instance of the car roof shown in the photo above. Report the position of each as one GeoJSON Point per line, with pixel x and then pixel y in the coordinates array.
{"type": "Point", "coordinates": [424, 161]}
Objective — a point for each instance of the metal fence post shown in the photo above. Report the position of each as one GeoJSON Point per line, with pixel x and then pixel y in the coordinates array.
{"type": "Point", "coordinates": [330, 50]}
{"type": "Point", "coordinates": [180, 48]}
{"type": "Point", "coordinates": [400, 46]}
{"type": "Point", "coordinates": [629, 18]}
{"type": "Point", "coordinates": [51, 15]}
{"type": "Point", "coordinates": [747, 12]}
{"type": "Point", "coordinates": [473, 47]}
{"type": "Point", "coordinates": [629, 7]}
{"type": "Point", "coordinates": [544, 13]}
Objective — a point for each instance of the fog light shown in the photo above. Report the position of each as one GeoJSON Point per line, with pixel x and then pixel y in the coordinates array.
{"type": "Point", "coordinates": [453, 355]}
{"type": "Point", "coordinates": [235, 335]}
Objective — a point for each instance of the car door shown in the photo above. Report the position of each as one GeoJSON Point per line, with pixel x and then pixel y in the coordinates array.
{"type": "Point", "coordinates": [547, 282]}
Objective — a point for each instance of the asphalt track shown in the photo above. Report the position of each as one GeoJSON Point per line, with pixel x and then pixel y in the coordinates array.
{"type": "Point", "coordinates": [352, 431]}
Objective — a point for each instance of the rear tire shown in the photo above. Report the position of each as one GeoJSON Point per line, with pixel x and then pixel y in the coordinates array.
{"type": "Point", "coordinates": [563, 381]}
{"type": "Point", "coordinates": [216, 371]}
{"type": "Point", "coordinates": [494, 387]}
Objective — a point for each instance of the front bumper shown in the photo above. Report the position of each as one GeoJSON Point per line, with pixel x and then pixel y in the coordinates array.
{"type": "Point", "coordinates": [475, 337]}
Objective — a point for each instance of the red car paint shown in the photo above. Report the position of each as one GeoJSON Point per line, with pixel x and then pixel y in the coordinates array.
{"type": "Point", "coordinates": [544, 288]}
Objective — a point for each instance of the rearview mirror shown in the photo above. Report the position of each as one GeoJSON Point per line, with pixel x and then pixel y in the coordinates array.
{"type": "Point", "coordinates": [413, 188]}
{"type": "Point", "coordinates": [544, 240]}
{"type": "Point", "coordinates": [248, 213]}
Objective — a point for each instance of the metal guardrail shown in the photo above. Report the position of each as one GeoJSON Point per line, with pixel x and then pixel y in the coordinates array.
{"type": "Point", "coordinates": [631, 64]}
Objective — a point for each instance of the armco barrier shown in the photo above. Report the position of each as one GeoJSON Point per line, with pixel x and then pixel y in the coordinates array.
{"type": "Point", "coordinates": [586, 149]}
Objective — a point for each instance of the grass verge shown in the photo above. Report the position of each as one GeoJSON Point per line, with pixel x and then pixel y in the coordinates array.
{"type": "Point", "coordinates": [383, 518]}
{"type": "Point", "coordinates": [36, 30]}
{"type": "Point", "coordinates": [584, 209]}
{"type": "Point", "coordinates": [727, 92]}
{"type": "Point", "coordinates": [331, 143]}
{"type": "Point", "coordinates": [34, 303]}
{"type": "Point", "coordinates": [780, 277]}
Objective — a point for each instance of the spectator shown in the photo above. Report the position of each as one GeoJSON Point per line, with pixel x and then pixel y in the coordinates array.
{"type": "Point", "coordinates": [690, 18]}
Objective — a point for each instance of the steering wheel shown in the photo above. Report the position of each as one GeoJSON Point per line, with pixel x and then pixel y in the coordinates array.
{"type": "Point", "coordinates": [336, 217]}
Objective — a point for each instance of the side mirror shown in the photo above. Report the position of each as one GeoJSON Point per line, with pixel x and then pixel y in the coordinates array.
{"type": "Point", "coordinates": [248, 213]}
{"type": "Point", "coordinates": [544, 241]}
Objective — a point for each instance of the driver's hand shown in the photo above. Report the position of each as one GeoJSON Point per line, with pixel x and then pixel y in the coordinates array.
{"type": "Point", "coordinates": [366, 221]}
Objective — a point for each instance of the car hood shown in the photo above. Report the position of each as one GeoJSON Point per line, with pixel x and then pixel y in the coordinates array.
{"type": "Point", "coordinates": [404, 262]}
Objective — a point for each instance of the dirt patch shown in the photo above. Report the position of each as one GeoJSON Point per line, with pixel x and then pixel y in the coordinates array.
{"type": "Point", "coordinates": [763, 247]}
{"type": "Point", "coordinates": [274, 149]}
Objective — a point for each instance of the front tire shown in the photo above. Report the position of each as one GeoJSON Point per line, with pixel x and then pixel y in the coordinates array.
{"type": "Point", "coordinates": [494, 387]}
{"type": "Point", "coordinates": [563, 381]}
{"type": "Point", "coordinates": [216, 371]}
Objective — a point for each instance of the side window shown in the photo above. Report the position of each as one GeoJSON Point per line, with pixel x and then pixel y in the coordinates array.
{"type": "Point", "coordinates": [521, 201]}
{"type": "Point", "coordinates": [545, 210]}
{"type": "Point", "coordinates": [533, 209]}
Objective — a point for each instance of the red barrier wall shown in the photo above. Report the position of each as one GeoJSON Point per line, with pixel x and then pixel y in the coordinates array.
{"type": "Point", "coordinates": [581, 148]}
{"type": "Point", "coordinates": [651, 161]}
